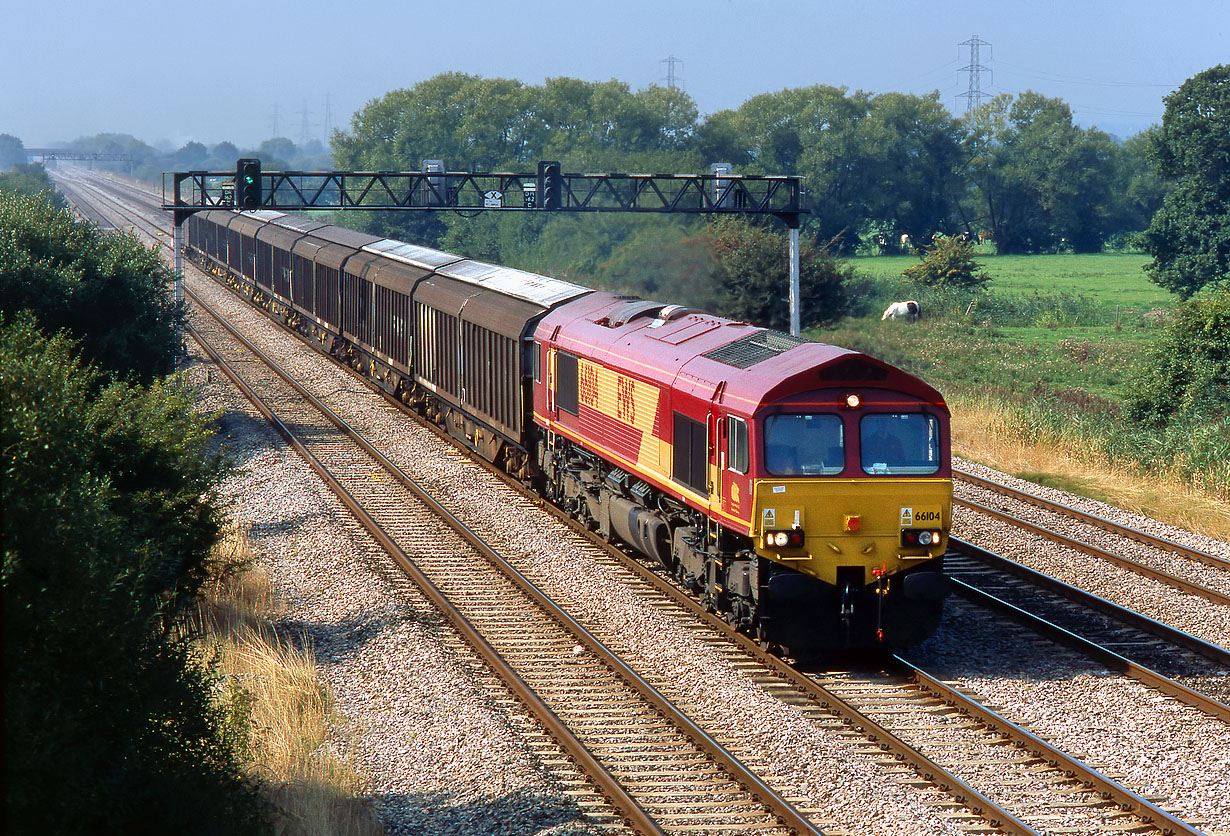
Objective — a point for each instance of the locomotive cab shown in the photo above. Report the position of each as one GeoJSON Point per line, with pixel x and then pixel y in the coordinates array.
{"type": "Point", "coordinates": [851, 504]}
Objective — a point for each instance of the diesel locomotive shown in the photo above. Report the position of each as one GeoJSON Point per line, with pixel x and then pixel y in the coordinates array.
{"type": "Point", "coordinates": [800, 489]}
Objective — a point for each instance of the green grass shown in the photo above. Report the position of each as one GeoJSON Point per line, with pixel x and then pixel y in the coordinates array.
{"type": "Point", "coordinates": [1059, 342]}
{"type": "Point", "coordinates": [1044, 323]}
{"type": "Point", "coordinates": [1109, 279]}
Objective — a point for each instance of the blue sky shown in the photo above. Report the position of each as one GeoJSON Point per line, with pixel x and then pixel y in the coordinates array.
{"type": "Point", "coordinates": [169, 72]}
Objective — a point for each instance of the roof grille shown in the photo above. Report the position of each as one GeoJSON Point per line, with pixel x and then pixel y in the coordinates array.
{"type": "Point", "coordinates": [750, 350]}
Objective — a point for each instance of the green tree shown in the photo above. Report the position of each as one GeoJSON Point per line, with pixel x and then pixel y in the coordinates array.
{"type": "Point", "coordinates": [191, 156]}
{"type": "Point", "coordinates": [813, 132]}
{"type": "Point", "coordinates": [481, 124]}
{"type": "Point", "coordinates": [1189, 237]}
{"type": "Point", "coordinates": [665, 259]}
{"type": "Point", "coordinates": [108, 289]}
{"type": "Point", "coordinates": [754, 277]}
{"type": "Point", "coordinates": [278, 148]}
{"type": "Point", "coordinates": [12, 152]}
{"type": "Point", "coordinates": [1137, 189]}
{"type": "Point", "coordinates": [110, 515]}
{"type": "Point", "coordinates": [1041, 183]}
{"type": "Point", "coordinates": [914, 179]}
{"type": "Point", "coordinates": [31, 179]}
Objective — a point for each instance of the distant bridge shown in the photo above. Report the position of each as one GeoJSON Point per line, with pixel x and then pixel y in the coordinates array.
{"type": "Point", "coordinates": [68, 154]}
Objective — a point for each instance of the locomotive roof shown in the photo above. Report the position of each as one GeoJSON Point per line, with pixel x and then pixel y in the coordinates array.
{"type": "Point", "coordinates": [696, 353]}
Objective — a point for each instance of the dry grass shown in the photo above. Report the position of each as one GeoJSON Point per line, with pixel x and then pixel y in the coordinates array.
{"type": "Point", "coordinates": [279, 709]}
{"type": "Point", "coordinates": [981, 434]}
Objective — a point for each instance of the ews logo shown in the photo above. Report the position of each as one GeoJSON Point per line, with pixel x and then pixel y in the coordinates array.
{"type": "Point", "coordinates": [625, 399]}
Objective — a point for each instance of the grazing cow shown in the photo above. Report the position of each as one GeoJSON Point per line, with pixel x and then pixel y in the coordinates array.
{"type": "Point", "coordinates": [903, 310]}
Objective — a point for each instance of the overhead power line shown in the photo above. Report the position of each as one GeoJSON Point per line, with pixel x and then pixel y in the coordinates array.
{"type": "Point", "coordinates": [1068, 79]}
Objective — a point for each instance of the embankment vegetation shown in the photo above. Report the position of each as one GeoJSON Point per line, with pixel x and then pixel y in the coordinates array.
{"type": "Point", "coordinates": [120, 714]}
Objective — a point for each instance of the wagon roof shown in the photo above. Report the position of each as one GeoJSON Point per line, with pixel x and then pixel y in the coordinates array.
{"type": "Point", "coordinates": [518, 284]}
{"type": "Point", "coordinates": [423, 257]}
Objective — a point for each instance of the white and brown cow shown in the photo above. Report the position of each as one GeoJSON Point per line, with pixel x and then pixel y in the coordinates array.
{"type": "Point", "coordinates": [903, 310]}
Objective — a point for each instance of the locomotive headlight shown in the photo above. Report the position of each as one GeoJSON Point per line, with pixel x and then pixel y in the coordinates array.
{"type": "Point", "coordinates": [924, 538]}
{"type": "Point", "coordinates": [935, 536]}
{"type": "Point", "coordinates": [780, 539]}
{"type": "Point", "coordinates": [853, 401]}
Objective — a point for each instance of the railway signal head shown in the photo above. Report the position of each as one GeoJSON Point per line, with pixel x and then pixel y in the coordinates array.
{"type": "Point", "coordinates": [550, 185]}
{"type": "Point", "coordinates": [248, 184]}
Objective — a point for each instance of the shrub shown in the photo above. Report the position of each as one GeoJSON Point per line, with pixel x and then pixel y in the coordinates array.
{"type": "Point", "coordinates": [31, 179]}
{"type": "Point", "coordinates": [1188, 375]}
{"type": "Point", "coordinates": [948, 263]}
{"type": "Point", "coordinates": [108, 523]}
{"type": "Point", "coordinates": [107, 289]}
{"type": "Point", "coordinates": [753, 270]}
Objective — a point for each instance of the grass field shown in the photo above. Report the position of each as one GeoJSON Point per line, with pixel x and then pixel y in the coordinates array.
{"type": "Point", "coordinates": [1054, 322]}
{"type": "Point", "coordinates": [1038, 369]}
{"type": "Point", "coordinates": [1110, 279]}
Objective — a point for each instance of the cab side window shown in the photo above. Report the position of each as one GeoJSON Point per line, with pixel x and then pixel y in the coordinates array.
{"type": "Point", "coordinates": [736, 444]}
{"type": "Point", "coordinates": [567, 382]}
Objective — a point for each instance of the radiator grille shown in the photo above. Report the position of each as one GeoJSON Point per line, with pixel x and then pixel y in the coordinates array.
{"type": "Point", "coordinates": [750, 350]}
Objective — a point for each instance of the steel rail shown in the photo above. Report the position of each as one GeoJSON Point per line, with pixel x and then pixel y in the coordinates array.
{"type": "Point", "coordinates": [765, 794]}
{"type": "Point", "coordinates": [1103, 523]}
{"type": "Point", "coordinates": [1104, 655]}
{"type": "Point", "coordinates": [1108, 787]}
{"type": "Point", "coordinates": [1141, 569]}
{"type": "Point", "coordinates": [1210, 651]}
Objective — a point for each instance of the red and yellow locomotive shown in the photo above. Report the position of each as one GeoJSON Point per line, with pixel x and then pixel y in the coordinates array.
{"type": "Point", "coordinates": [801, 489]}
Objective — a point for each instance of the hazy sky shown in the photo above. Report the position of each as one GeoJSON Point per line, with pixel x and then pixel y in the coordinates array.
{"type": "Point", "coordinates": [209, 70]}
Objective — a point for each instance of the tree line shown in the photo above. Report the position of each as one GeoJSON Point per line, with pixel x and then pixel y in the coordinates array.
{"type": "Point", "coordinates": [148, 163]}
{"type": "Point", "coordinates": [875, 166]}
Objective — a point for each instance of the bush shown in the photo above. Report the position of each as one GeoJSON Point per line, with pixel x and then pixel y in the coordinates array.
{"type": "Point", "coordinates": [1188, 376]}
{"type": "Point", "coordinates": [109, 521]}
{"type": "Point", "coordinates": [31, 179]}
{"type": "Point", "coordinates": [948, 263]}
{"type": "Point", "coordinates": [107, 289]}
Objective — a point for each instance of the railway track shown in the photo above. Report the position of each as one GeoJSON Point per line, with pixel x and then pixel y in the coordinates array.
{"type": "Point", "coordinates": [1085, 518]}
{"type": "Point", "coordinates": [1081, 798]}
{"type": "Point", "coordinates": [1039, 773]}
{"type": "Point", "coordinates": [659, 768]}
{"type": "Point", "coordinates": [1140, 568]}
{"type": "Point", "coordinates": [1173, 663]}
